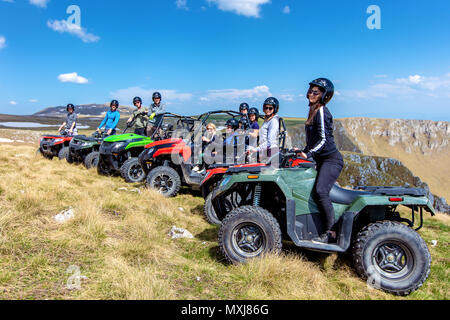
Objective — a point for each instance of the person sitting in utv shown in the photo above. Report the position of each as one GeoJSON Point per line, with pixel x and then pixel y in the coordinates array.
{"type": "Point", "coordinates": [140, 116]}
{"type": "Point", "coordinates": [253, 116]}
{"type": "Point", "coordinates": [70, 125]}
{"type": "Point", "coordinates": [111, 119]}
{"type": "Point", "coordinates": [156, 113]}
{"type": "Point", "coordinates": [270, 130]}
{"type": "Point", "coordinates": [321, 147]}
{"type": "Point", "coordinates": [243, 108]}
{"type": "Point", "coordinates": [207, 139]}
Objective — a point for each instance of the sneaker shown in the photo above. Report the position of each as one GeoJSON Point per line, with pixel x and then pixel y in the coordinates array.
{"type": "Point", "coordinates": [327, 237]}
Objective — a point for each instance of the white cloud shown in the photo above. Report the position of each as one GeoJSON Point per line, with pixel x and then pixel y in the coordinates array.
{"type": "Point", "coordinates": [2, 42]}
{"type": "Point", "coordinates": [72, 78]}
{"type": "Point", "coordinates": [182, 4]}
{"type": "Point", "coordinates": [248, 8]}
{"type": "Point", "coordinates": [286, 10]}
{"type": "Point", "coordinates": [127, 95]}
{"type": "Point", "coordinates": [40, 3]}
{"type": "Point", "coordinates": [287, 97]}
{"type": "Point", "coordinates": [13, 103]}
{"type": "Point", "coordinates": [63, 26]}
{"type": "Point", "coordinates": [411, 87]}
{"type": "Point", "coordinates": [33, 100]}
{"type": "Point", "coordinates": [238, 94]}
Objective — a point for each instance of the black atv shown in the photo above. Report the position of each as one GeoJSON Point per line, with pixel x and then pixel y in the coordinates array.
{"type": "Point", "coordinates": [85, 150]}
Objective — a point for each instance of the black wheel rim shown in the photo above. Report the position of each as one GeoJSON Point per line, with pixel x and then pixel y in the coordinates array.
{"type": "Point", "coordinates": [135, 172]}
{"type": "Point", "coordinates": [393, 260]}
{"type": "Point", "coordinates": [248, 240]}
{"type": "Point", "coordinates": [163, 183]}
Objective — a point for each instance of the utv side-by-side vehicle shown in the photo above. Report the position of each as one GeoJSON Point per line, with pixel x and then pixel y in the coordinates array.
{"type": "Point", "coordinates": [85, 150]}
{"type": "Point", "coordinates": [119, 154]}
{"type": "Point", "coordinates": [54, 145]}
{"type": "Point", "coordinates": [166, 175]}
{"type": "Point", "coordinates": [261, 206]}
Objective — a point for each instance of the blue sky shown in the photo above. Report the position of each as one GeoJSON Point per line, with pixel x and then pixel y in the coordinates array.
{"type": "Point", "coordinates": [209, 54]}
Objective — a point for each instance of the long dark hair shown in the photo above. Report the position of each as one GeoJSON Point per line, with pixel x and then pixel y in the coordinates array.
{"type": "Point", "coordinates": [313, 109]}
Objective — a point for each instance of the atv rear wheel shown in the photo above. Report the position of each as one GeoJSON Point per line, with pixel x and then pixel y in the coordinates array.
{"type": "Point", "coordinates": [62, 154]}
{"type": "Point", "coordinates": [209, 211]}
{"type": "Point", "coordinates": [91, 160]}
{"type": "Point", "coordinates": [132, 171]}
{"type": "Point", "coordinates": [165, 180]}
{"type": "Point", "coordinates": [249, 232]}
{"type": "Point", "coordinates": [392, 256]}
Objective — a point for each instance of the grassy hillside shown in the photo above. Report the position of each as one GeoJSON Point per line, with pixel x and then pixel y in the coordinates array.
{"type": "Point", "coordinates": [119, 241]}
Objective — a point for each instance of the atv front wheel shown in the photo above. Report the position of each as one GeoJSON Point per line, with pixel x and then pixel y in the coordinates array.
{"type": "Point", "coordinates": [209, 211]}
{"type": "Point", "coordinates": [165, 180]}
{"type": "Point", "coordinates": [392, 256]}
{"type": "Point", "coordinates": [69, 158]}
{"type": "Point", "coordinates": [249, 232]}
{"type": "Point", "coordinates": [91, 160]}
{"type": "Point", "coordinates": [62, 154]}
{"type": "Point", "coordinates": [103, 169]}
{"type": "Point", "coordinates": [132, 171]}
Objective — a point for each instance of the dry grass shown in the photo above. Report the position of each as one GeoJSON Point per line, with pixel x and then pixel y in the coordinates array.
{"type": "Point", "coordinates": [119, 241]}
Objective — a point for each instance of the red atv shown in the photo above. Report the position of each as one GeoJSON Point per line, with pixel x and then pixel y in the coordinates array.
{"type": "Point", "coordinates": [166, 175]}
{"type": "Point", "coordinates": [54, 145]}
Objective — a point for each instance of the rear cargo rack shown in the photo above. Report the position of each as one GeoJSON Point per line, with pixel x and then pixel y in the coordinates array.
{"type": "Point", "coordinates": [394, 191]}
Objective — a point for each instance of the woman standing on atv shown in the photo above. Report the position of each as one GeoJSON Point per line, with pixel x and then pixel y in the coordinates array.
{"type": "Point", "coordinates": [156, 113]}
{"type": "Point", "coordinates": [71, 121]}
{"type": "Point", "coordinates": [270, 130]}
{"type": "Point", "coordinates": [253, 115]}
{"type": "Point", "coordinates": [139, 116]}
{"type": "Point", "coordinates": [321, 147]}
{"type": "Point", "coordinates": [111, 119]}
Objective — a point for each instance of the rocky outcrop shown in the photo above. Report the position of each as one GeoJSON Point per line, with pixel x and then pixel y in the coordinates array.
{"type": "Point", "coordinates": [421, 136]}
{"type": "Point", "coordinates": [362, 170]}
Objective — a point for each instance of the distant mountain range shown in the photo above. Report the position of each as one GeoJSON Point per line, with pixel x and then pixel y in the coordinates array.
{"type": "Point", "coordinates": [84, 110]}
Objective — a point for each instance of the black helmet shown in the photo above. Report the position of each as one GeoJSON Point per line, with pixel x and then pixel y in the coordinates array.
{"type": "Point", "coordinates": [243, 106]}
{"type": "Point", "coordinates": [137, 99]}
{"type": "Point", "coordinates": [233, 123]}
{"type": "Point", "coordinates": [254, 111]}
{"type": "Point", "coordinates": [156, 95]}
{"type": "Point", "coordinates": [245, 122]}
{"type": "Point", "coordinates": [114, 103]}
{"type": "Point", "coordinates": [70, 106]}
{"type": "Point", "coordinates": [326, 86]}
{"type": "Point", "coordinates": [272, 102]}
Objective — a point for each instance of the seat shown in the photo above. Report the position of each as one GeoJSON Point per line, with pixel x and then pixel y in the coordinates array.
{"type": "Point", "coordinates": [344, 196]}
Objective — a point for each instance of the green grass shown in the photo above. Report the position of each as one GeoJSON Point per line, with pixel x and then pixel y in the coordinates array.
{"type": "Point", "coordinates": [119, 241]}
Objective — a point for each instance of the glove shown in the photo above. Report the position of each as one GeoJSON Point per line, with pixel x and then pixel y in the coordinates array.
{"type": "Point", "coordinates": [152, 116]}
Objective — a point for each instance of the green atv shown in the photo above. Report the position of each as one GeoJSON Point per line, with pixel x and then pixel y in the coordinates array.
{"type": "Point", "coordinates": [119, 154]}
{"type": "Point", "coordinates": [85, 150]}
{"type": "Point", "coordinates": [261, 206]}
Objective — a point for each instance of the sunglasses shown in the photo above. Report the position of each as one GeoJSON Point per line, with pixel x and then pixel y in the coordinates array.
{"type": "Point", "coordinates": [269, 108]}
{"type": "Point", "coordinates": [314, 92]}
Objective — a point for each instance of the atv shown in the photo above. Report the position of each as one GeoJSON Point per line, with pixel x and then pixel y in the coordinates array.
{"type": "Point", "coordinates": [54, 145]}
{"type": "Point", "coordinates": [166, 175]}
{"type": "Point", "coordinates": [85, 150]}
{"type": "Point", "coordinates": [215, 174]}
{"type": "Point", "coordinates": [119, 154]}
{"type": "Point", "coordinates": [269, 205]}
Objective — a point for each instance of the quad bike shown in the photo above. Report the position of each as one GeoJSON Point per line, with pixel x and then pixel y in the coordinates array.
{"type": "Point", "coordinates": [119, 154]}
{"type": "Point", "coordinates": [54, 145]}
{"type": "Point", "coordinates": [259, 207]}
{"type": "Point", "coordinates": [85, 150]}
{"type": "Point", "coordinates": [215, 173]}
{"type": "Point", "coordinates": [166, 175]}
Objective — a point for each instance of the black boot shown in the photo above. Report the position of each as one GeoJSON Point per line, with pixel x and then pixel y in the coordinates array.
{"type": "Point", "coordinates": [327, 237]}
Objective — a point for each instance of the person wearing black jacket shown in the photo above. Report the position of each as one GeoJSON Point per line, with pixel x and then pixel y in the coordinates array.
{"type": "Point", "coordinates": [321, 147]}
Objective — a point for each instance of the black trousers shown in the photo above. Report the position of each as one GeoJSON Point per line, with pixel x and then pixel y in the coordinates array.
{"type": "Point", "coordinates": [329, 169]}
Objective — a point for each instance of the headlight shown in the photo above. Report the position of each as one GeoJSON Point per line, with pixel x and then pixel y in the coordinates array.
{"type": "Point", "coordinates": [225, 181]}
{"type": "Point", "coordinates": [58, 140]}
{"type": "Point", "coordinates": [120, 145]}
